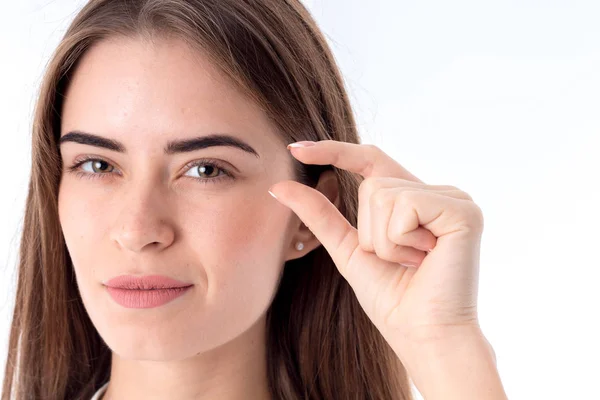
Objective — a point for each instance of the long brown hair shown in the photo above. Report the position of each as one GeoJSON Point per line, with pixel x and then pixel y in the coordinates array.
{"type": "Point", "coordinates": [320, 343]}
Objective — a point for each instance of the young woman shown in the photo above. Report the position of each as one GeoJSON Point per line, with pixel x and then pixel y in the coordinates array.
{"type": "Point", "coordinates": [155, 263]}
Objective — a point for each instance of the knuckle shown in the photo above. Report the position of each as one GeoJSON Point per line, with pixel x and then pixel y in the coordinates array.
{"type": "Point", "coordinates": [388, 253]}
{"type": "Point", "coordinates": [380, 199]}
{"type": "Point", "coordinates": [465, 195]}
{"type": "Point", "coordinates": [372, 148]}
{"type": "Point", "coordinates": [443, 187]}
{"type": "Point", "coordinates": [478, 213]}
{"type": "Point", "coordinates": [405, 196]}
{"type": "Point", "coordinates": [461, 194]}
{"type": "Point", "coordinates": [368, 185]}
{"type": "Point", "coordinates": [384, 250]}
{"type": "Point", "coordinates": [475, 214]}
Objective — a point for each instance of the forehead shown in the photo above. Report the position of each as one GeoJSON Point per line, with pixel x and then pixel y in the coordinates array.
{"type": "Point", "coordinates": [163, 88]}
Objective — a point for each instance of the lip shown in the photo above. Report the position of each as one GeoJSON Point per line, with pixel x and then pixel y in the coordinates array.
{"type": "Point", "coordinates": [135, 298]}
{"type": "Point", "coordinates": [146, 291]}
{"type": "Point", "coordinates": [145, 282]}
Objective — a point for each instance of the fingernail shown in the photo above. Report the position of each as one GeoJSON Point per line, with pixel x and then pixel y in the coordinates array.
{"type": "Point", "coordinates": [304, 143]}
{"type": "Point", "coordinates": [271, 193]}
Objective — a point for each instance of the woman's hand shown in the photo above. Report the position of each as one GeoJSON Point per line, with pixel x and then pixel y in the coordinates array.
{"type": "Point", "coordinates": [400, 219]}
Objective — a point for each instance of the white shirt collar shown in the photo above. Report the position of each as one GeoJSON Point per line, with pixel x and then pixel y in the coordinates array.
{"type": "Point", "coordinates": [100, 392]}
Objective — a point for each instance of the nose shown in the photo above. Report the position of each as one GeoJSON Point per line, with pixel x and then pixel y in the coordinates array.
{"type": "Point", "coordinates": [143, 221]}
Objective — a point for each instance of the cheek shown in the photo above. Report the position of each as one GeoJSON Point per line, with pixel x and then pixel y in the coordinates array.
{"type": "Point", "coordinates": [82, 224]}
{"type": "Point", "coordinates": [240, 237]}
{"type": "Point", "coordinates": [239, 242]}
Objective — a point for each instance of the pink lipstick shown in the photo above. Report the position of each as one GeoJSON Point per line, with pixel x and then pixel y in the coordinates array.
{"type": "Point", "coordinates": [145, 291]}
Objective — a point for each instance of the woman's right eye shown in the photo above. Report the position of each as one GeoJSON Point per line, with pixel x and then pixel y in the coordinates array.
{"type": "Point", "coordinates": [96, 169]}
{"type": "Point", "coordinates": [97, 165]}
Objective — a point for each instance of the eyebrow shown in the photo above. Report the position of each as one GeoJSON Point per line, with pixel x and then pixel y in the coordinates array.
{"type": "Point", "coordinates": [173, 147]}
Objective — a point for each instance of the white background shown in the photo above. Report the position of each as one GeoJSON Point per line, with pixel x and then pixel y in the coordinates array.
{"type": "Point", "coordinates": [500, 99]}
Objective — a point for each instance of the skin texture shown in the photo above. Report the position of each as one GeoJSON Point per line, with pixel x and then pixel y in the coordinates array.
{"type": "Point", "coordinates": [148, 213]}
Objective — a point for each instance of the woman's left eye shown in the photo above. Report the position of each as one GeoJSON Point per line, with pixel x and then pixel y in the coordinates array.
{"type": "Point", "coordinates": [210, 168]}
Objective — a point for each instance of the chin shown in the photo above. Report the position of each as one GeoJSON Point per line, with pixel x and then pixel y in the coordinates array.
{"type": "Point", "coordinates": [150, 351]}
{"type": "Point", "coordinates": [161, 342]}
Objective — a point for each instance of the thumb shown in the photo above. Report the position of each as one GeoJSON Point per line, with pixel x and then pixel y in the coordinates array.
{"type": "Point", "coordinates": [322, 217]}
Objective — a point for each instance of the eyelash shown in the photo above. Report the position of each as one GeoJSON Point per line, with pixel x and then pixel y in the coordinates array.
{"type": "Point", "coordinates": [213, 163]}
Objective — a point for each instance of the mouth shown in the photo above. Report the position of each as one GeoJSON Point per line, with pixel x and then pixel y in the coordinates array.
{"type": "Point", "coordinates": [146, 282]}
{"type": "Point", "coordinates": [146, 298]}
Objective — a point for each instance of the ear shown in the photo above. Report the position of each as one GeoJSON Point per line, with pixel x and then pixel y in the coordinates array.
{"type": "Point", "coordinates": [328, 185]}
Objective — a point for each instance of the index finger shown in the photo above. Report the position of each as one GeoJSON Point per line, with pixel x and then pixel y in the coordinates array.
{"type": "Point", "coordinates": [364, 159]}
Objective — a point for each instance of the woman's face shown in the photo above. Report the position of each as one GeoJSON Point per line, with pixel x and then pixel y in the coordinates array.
{"type": "Point", "coordinates": [142, 210]}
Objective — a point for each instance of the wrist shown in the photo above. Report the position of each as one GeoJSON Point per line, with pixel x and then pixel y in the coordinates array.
{"type": "Point", "coordinates": [460, 365]}
{"type": "Point", "coordinates": [432, 340]}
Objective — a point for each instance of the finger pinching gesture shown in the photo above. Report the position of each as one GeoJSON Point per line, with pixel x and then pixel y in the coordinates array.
{"type": "Point", "coordinates": [413, 262]}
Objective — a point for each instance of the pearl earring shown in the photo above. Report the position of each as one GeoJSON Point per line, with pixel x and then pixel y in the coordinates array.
{"type": "Point", "coordinates": [299, 246]}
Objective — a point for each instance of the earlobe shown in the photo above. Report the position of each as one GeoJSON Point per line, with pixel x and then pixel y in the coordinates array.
{"type": "Point", "coordinates": [301, 247]}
